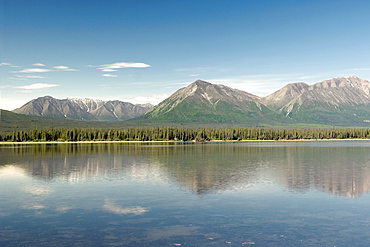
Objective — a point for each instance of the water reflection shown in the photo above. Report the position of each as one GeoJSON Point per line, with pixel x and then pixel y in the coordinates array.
{"type": "Point", "coordinates": [111, 206]}
{"type": "Point", "coordinates": [339, 169]}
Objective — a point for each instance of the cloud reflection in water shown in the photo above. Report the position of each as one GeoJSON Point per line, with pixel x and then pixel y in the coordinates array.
{"type": "Point", "coordinates": [110, 206]}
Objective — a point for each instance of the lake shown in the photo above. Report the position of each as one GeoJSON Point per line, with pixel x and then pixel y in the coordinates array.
{"type": "Point", "coordinates": [308, 193]}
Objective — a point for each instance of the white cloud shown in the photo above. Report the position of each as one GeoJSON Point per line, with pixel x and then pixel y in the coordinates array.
{"type": "Point", "coordinates": [35, 70]}
{"type": "Point", "coordinates": [109, 75]}
{"type": "Point", "coordinates": [39, 70]}
{"type": "Point", "coordinates": [17, 78]}
{"type": "Point", "coordinates": [113, 208]}
{"type": "Point", "coordinates": [109, 67]}
{"type": "Point", "coordinates": [38, 64]}
{"type": "Point", "coordinates": [37, 86]}
{"type": "Point", "coordinates": [260, 85]}
{"type": "Point", "coordinates": [3, 64]}
{"type": "Point", "coordinates": [25, 77]}
{"type": "Point", "coordinates": [60, 67]}
{"type": "Point", "coordinates": [194, 75]}
{"type": "Point", "coordinates": [109, 70]}
{"type": "Point", "coordinates": [11, 105]}
{"type": "Point", "coordinates": [265, 84]}
{"type": "Point", "coordinates": [153, 99]}
{"type": "Point", "coordinates": [32, 76]}
{"type": "Point", "coordinates": [5, 86]}
{"type": "Point", "coordinates": [64, 68]}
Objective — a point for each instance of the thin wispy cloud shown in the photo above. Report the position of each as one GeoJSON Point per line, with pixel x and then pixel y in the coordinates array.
{"type": "Point", "coordinates": [260, 85]}
{"type": "Point", "coordinates": [122, 65]}
{"type": "Point", "coordinates": [17, 78]}
{"type": "Point", "coordinates": [5, 64]}
{"type": "Point", "coordinates": [109, 70]}
{"type": "Point", "coordinates": [203, 69]}
{"type": "Point", "coordinates": [38, 64]}
{"type": "Point", "coordinates": [37, 86]}
{"type": "Point", "coordinates": [64, 68]}
{"type": "Point", "coordinates": [34, 70]}
{"type": "Point", "coordinates": [153, 99]}
{"type": "Point", "coordinates": [33, 77]}
{"type": "Point", "coordinates": [25, 77]}
{"type": "Point", "coordinates": [265, 84]}
{"type": "Point", "coordinates": [359, 69]}
{"type": "Point", "coordinates": [109, 75]}
{"type": "Point", "coordinates": [5, 86]}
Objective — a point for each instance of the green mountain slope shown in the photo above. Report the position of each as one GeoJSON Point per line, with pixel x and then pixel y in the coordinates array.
{"type": "Point", "coordinates": [206, 103]}
{"type": "Point", "coordinates": [343, 101]}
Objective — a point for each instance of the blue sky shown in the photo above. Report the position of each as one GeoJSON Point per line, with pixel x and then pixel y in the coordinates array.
{"type": "Point", "coordinates": [143, 51]}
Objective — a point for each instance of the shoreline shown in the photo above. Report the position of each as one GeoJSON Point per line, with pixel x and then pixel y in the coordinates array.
{"type": "Point", "coordinates": [184, 142]}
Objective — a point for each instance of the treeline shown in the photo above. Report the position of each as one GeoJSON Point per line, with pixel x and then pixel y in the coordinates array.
{"type": "Point", "coordinates": [182, 134]}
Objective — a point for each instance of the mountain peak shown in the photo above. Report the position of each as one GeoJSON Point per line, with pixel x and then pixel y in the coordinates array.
{"type": "Point", "coordinates": [204, 101]}
{"type": "Point", "coordinates": [344, 82]}
{"type": "Point", "coordinates": [46, 97]}
{"type": "Point", "coordinates": [82, 109]}
{"type": "Point", "coordinates": [200, 82]}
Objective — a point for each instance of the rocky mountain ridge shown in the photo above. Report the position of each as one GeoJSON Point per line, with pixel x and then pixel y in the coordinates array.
{"type": "Point", "coordinates": [338, 101]}
{"type": "Point", "coordinates": [343, 101]}
{"type": "Point", "coordinates": [203, 102]}
{"type": "Point", "coordinates": [83, 109]}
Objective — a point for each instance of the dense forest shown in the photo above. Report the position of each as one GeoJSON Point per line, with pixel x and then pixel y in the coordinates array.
{"type": "Point", "coordinates": [181, 134]}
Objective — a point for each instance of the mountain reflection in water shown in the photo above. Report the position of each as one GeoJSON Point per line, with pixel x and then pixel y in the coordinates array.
{"type": "Point", "coordinates": [200, 168]}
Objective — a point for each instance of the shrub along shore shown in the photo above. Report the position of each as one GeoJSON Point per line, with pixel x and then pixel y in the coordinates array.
{"type": "Point", "coordinates": [181, 134]}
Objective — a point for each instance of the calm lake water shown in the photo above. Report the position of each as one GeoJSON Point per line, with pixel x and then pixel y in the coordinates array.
{"type": "Point", "coordinates": [173, 194]}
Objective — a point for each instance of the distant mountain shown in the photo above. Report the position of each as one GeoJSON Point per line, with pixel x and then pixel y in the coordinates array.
{"type": "Point", "coordinates": [10, 121]}
{"type": "Point", "coordinates": [203, 102]}
{"type": "Point", "coordinates": [82, 109]}
{"type": "Point", "coordinates": [338, 101]}
{"type": "Point", "coordinates": [341, 101]}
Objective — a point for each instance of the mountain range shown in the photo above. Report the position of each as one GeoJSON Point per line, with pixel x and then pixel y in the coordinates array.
{"type": "Point", "coordinates": [82, 109]}
{"type": "Point", "coordinates": [343, 101]}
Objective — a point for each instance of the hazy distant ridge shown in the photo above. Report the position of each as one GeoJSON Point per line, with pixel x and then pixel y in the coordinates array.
{"type": "Point", "coordinates": [83, 109]}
